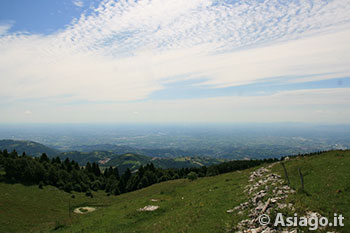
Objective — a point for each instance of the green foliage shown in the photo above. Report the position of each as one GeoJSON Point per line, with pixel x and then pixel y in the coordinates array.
{"type": "Point", "coordinates": [88, 193]}
{"type": "Point", "coordinates": [68, 175]}
{"type": "Point", "coordinates": [212, 171]}
{"type": "Point", "coordinates": [41, 185]}
{"type": "Point", "coordinates": [192, 176]}
{"type": "Point", "coordinates": [116, 191]}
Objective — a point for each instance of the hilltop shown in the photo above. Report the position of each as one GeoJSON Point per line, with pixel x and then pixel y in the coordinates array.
{"type": "Point", "coordinates": [29, 147]}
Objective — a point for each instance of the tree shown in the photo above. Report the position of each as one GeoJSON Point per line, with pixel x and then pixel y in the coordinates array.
{"type": "Point", "coordinates": [116, 173]}
{"type": "Point", "coordinates": [192, 176]}
{"type": "Point", "coordinates": [5, 153]}
{"type": "Point", "coordinates": [52, 175]}
{"type": "Point", "coordinates": [143, 183]}
{"type": "Point", "coordinates": [67, 165]}
{"type": "Point", "coordinates": [88, 167]}
{"type": "Point", "coordinates": [56, 160]}
{"type": "Point", "coordinates": [212, 171]}
{"type": "Point", "coordinates": [151, 176]}
{"type": "Point", "coordinates": [126, 176]}
{"type": "Point", "coordinates": [116, 191]}
{"type": "Point", "coordinates": [96, 169]}
{"type": "Point", "coordinates": [68, 187]}
{"type": "Point", "coordinates": [44, 158]}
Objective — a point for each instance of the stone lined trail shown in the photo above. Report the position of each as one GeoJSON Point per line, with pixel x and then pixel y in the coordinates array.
{"type": "Point", "coordinates": [264, 186]}
{"type": "Point", "coordinates": [267, 193]}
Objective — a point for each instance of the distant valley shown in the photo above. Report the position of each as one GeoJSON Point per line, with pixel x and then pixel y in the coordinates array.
{"type": "Point", "coordinates": [121, 157]}
{"type": "Point", "coordinates": [221, 141]}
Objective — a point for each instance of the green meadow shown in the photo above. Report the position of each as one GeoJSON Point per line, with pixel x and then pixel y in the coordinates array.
{"type": "Point", "coordinates": [184, 206]}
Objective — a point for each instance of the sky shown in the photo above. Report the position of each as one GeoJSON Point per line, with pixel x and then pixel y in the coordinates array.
{"type": "Point", "coordinates": [78, 61]}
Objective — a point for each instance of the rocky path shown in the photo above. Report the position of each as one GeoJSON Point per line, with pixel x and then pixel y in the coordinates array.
{"type": "Point", "coordinates": [267, 192]}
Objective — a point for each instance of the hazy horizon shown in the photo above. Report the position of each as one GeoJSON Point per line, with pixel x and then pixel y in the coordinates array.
{"type": "Point", "coordinates": [215, 140]}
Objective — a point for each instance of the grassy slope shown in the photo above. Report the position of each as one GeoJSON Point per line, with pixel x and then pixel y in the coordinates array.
{"type": "Point", "coordinates": [202, 209]}
{"type": "Point", "coordinates": [327, 184]}
{"type": "Point", "coordinates": [198, 206]}
{"type": "Point", "coordinates": [30, 209]}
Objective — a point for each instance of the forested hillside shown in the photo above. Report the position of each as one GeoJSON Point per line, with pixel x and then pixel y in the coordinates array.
{"type": "Point", "coordinates": [69, 176]}
{"type": "Point", "coordinates": [106, 158]}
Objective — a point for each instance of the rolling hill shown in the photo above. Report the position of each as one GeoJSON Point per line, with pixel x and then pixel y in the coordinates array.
{"type": "Point", "coordinates": [108, 158]}
{"type": "Point", "coordinates": [133, 161]}
{"type": "Point", "coordinates": [29, 147]}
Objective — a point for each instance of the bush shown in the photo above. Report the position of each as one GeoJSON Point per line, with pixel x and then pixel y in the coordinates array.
{"type": "Point", "coordinates": [77, 188]}
{"type": "Point", "coordinates": [68, 187]}
{"type": "Point", "coordinates": [60, 184]}
{"type": "Point", "coordinates": [192, 176]}
{"type": "Point", "coordinates": [88, 193]}
{"type": "Point", "coordinates": [116, 191]}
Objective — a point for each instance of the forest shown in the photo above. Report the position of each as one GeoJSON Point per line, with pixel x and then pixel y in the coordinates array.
{"type": "Point", "coordinates": [69, 176]}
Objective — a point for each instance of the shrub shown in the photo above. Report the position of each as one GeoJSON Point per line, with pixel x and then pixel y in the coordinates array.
{"type": "Point", "coordinates": [88, 193]}
{"type": "Point", "coordinates": [41, 185]}
{"type": "Point", "coordinates": [192, 176]}
{"type": "Point", "coordinates": [68, 187]}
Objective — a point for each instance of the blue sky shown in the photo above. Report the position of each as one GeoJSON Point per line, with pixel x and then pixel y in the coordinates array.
{"type": "Point", "coordinates": [42, 16]}
{"type": "Point", "coordinates": [167, 61]}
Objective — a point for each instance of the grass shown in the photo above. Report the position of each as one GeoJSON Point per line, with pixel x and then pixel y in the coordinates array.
{"type": "Point", "coordinates": [327, 185]}
{"type": "Point", "coordinates": [185, 206]}
{"type": "Point", "coordinates": [30, 209]}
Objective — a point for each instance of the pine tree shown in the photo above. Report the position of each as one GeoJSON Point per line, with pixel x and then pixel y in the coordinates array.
{"type": "Point", "coordinates": [44, 158]}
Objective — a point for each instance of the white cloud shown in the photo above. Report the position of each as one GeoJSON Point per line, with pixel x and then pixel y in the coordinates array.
{"type": "Point", "coordinates": [48, 71]}
{"type": "Point", "coordinates": [78, 3]}
{"type": "Point", "coordinates": [4, 27]}
{"type": "Point", "coordinates": [162, 24]}
{"type": "Point", "coordinates": [126, 50]}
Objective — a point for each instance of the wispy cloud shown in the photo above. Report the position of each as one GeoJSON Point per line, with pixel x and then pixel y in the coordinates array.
{"type": "Point", "coordinates": [4, 27]}
{"type": "Point", "coordinates": [126, 50]}
{"type": "Point", "coordinates": [127, 25]}
{"type": "Point", "coordinates": [78, 3]}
